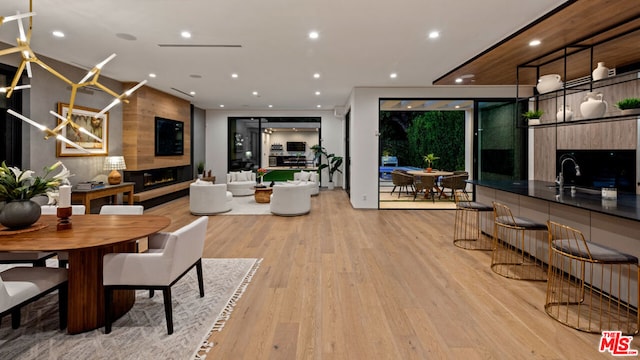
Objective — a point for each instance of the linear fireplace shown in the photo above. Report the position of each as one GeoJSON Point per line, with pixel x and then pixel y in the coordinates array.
{"type": "Point", "coordinates": [154, 178]}
{"type": "Point", "coordinates": [600, 168]}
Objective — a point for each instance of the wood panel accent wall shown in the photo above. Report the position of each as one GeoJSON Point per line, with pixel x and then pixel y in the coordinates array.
{"type": "Point", "coordinates": [544, 153]}
{"type": "Point", "coordinates": [619, 135]}
{"type": "Point", "coordinates": [138, 128]}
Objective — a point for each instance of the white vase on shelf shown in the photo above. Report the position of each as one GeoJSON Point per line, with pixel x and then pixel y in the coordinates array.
{"type": "Point", "coordinates": [548, 83]}
{"type": "Point", "coordinates": [600, 72]}
{"type": "Point", "coordinates": [594, 106]}
{"type": "Point", "coordinates": [564, 113]}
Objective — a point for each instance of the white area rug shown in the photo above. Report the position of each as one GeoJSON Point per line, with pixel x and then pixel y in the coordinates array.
{"type": "Point", "coordinates": [142, 332]}
{"type": "Point", "coordinates": [247, 205]}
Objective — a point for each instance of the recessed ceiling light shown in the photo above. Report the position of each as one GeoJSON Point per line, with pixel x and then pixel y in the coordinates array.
{"type": "Point", "coordinates": [393, 75]}
{"type": "Point", "coordinates": [255, 93]}
{"type": "Point", "coordinates": [58, 33]}
{"type": "Point", "coordinates": [459, 80]}
{"type": "Point", "coordinates": [434, 35]}
{"type": "Point", "coordinates": [192, 93]}
{"type": "Point", "coordinates": [535, 42]}
{"type": "Point", "coordinates": [221, 105]}
{"type": "Point", "coordinates": [152, 75]}
{"type": "Point", "coordinates": [185, 34]}
{"type": "Point", "coordinates": [316, 76]}
{"type": "Point", "coordinates": [313, 35]}
{"type": "Point", "coordinates": [270, 106]}
{"type": "Point", "coordinates": [318, 106]}
{"type": "Point", "coordinates": [317, 92]}
{"type": "Point", "coordinates": [234, 75]}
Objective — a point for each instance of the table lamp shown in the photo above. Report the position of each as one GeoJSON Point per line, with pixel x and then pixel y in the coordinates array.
{"type": "Point", "coordinates": [114, 163]}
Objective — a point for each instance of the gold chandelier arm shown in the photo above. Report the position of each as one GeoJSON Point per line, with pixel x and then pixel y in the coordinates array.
{"type": "Point", "coordinates": [16, 78]}
{"type": "Point", "coordinates": [51, 70]}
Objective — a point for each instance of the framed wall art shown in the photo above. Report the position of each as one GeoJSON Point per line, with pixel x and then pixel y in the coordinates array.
{"type": "Point", "coordinates": [87, 118]}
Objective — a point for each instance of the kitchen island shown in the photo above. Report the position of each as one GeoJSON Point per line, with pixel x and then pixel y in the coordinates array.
{"type": "Point", "coordinates": [612, 223]}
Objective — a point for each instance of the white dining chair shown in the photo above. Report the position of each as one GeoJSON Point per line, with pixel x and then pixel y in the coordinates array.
{"type": "Point", "coordinates": [63, 256]}
{"type": "Point", "coordinates": [181, 250]}
{"type": "Point", "coordinates": [22, 285]}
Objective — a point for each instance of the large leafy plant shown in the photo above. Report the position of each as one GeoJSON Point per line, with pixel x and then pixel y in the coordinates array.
{"type": "Point", "coordinates": [333, 162]}
{"type": "Point", "coordinates": [16, 184]}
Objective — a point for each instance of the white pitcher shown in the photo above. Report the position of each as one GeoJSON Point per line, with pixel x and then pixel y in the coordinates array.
{"type": "Point", "coordinates": [564, 114]}
{"type": "Point", "coordinates": [593, 106]}
{"type": "Point", "coordinates": [548, 83]}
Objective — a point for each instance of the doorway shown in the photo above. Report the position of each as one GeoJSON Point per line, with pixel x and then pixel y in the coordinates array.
{"type": "Point", "coordinates": [408, 131]}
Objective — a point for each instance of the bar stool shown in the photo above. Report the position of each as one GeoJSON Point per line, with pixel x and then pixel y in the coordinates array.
{"type": "Point", "coordinates": [515, 255]}
{"type": "Point", "coordinates": [467, 230]}
{"type": "Point", "coordinates": [590, 286]}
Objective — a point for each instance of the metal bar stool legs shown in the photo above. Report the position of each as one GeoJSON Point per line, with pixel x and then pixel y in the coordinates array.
{"type": "Point", "coordinates": [517, 251]}
{"type": "Point", "coordinates": [591, 288]}
{"type": "Point", "coordinates": [467, 231]}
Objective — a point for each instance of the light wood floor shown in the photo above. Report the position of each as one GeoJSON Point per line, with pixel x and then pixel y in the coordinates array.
{"type": "Point", "coordinates": [342, 283]}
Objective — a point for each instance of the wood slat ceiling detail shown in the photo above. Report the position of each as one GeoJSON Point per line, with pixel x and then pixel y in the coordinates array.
{"type": "Point", "coordinates": [578, 22]}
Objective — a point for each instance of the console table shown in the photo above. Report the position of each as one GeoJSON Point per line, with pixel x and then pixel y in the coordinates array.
{"type": "Point", "coordinates": [84, 197]}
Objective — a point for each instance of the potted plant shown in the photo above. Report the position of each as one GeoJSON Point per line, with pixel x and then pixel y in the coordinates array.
{"type": "Point", "coordinates": [430, 158]}
{"type": "Point", "coordinates": [533, 116]}
{"type": "Point", "coordinates": [333, 162]}
{"type": "Point", "coordinates": [200, 168]}
{"type": "Point", "coordinates": [629, 106]}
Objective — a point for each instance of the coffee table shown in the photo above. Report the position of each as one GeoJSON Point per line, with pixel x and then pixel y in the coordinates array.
{"type": "Point", "coordinates": [263, 195]}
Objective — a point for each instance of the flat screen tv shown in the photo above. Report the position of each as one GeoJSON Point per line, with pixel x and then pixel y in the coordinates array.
{"type": "Point", "coordinates": [296, 146]}
{"type": "Point", "coordinates": [169, 137]}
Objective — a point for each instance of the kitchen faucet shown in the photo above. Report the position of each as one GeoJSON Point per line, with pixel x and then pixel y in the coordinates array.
{"type": "Point", "coordinates": [560, 178]}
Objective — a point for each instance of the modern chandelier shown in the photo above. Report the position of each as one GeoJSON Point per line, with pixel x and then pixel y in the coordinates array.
{"type": "Point", "coordinates": [90, 79]}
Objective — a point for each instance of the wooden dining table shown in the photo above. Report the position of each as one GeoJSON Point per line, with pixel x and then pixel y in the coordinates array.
{"type": "Point", "coordinates": [87, 241]}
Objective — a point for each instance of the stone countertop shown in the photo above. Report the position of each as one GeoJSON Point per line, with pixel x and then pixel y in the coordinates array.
{"type": "Point", "coordinates": [625, 206]}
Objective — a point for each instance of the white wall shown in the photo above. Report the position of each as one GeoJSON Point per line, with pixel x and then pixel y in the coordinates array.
{"type": "Point", "coordinates": [217, 136]}
{"type": "Point", "coordinates": [364, 105]}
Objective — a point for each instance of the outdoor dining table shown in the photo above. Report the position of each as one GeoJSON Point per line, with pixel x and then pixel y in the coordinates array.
{"type": "Point", "coordinates": [433, 173]}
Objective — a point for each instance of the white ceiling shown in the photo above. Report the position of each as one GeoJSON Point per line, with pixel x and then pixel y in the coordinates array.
{"type": "Point", "coordinates": [361, 42]}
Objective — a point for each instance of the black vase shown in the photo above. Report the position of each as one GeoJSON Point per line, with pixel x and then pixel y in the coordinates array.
{"type": "Point", "coordinates": [19, 214]}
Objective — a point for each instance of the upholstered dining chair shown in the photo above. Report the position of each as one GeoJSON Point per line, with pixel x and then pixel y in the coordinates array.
{"type": "Point", "coordinates": [22, 285]}
{"type": "Point", "coordinates": [123, 210]}
{"type": "Point", "coordinates": [179, 252]}
{"type": "Point", "coordinates": [63, 256]}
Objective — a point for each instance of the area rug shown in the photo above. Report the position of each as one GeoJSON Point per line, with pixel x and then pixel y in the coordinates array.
{"type": "Point", "coordinates": [247, 205]}
{"type": "Point", "coordinates": [142, 332]}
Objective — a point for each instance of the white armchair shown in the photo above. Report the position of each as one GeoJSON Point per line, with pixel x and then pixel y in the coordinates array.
{"type": "Point", "coordinates": [22, 285]}
{"type": "Point", "coordinates": [206, 198]}
{"type": "Point", "coordinates": [290, 200]}
{"type": "Point", "coordinates": [176, 254]}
